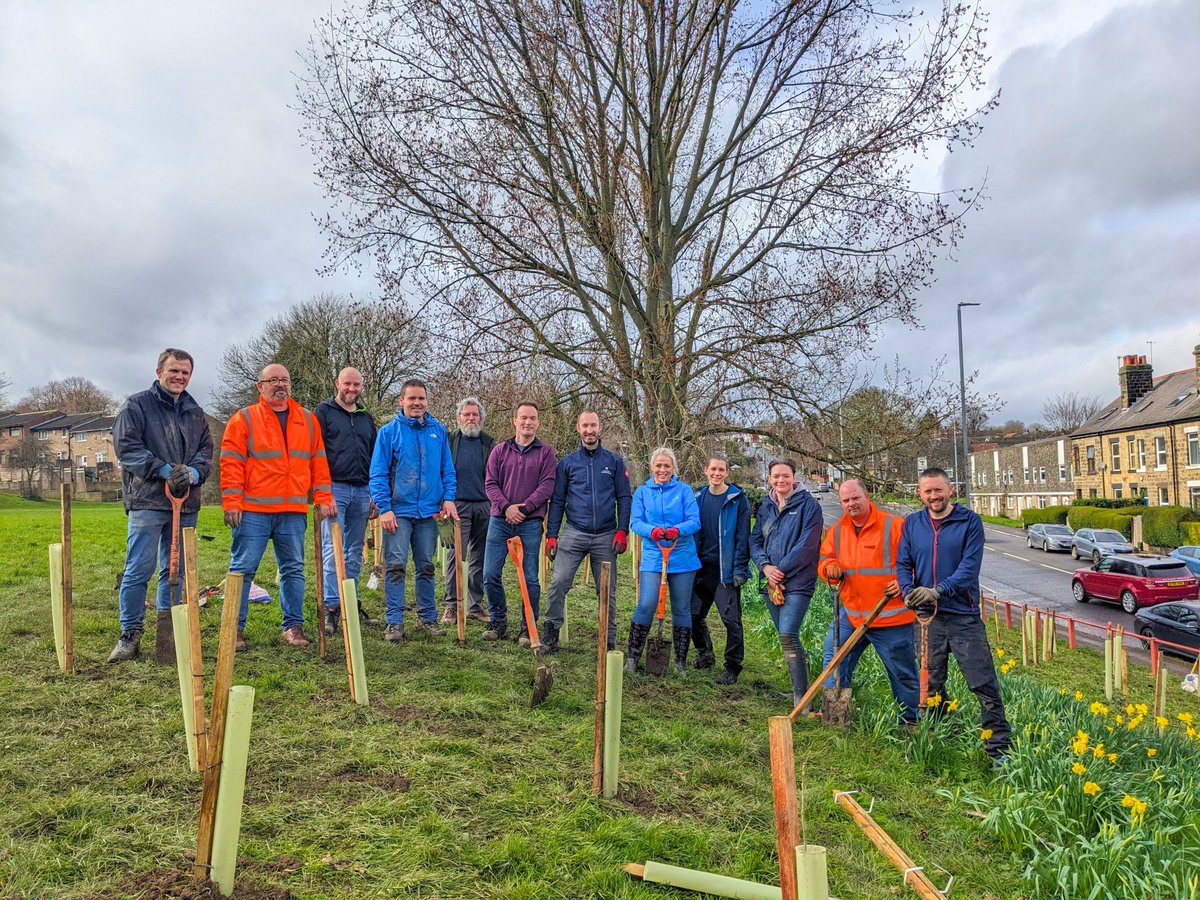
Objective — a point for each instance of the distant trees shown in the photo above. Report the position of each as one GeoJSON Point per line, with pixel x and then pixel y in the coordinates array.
{"type": "Point", "coordinates": [317, 339]}
{"type": "Point", "coordinates": [69, 395]}
{"type": "Point", "coordinates": [5, 384]}
{"type": "Point", "coordinates": [1067, 411]}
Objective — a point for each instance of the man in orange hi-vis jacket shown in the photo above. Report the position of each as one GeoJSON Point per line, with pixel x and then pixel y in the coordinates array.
{"type": "Point", "coordinates": [858, 554]}
{"type": "Point", "coordinates": [272, 455]}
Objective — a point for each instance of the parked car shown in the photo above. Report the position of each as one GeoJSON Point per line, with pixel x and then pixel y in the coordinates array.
{"type": "Point", "coordinates": [1135, 581]}
{"type": "Point", "coordinates": [1178, 623]}
{"type": "Point", "coordinates": [822, 487]}
{"type": "Point", "coordinates": [1096, 543]}
{"type": "Point", "coordinates": [1190, 556]}
{"type": "Point", "coordinates": [1049, 537]}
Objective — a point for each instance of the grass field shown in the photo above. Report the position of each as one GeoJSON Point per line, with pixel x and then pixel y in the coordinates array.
{"type": "Point", "coordinates": [448, 785]}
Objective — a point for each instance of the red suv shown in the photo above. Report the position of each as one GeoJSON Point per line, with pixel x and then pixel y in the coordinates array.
{"type": "Point", "coordinates": [1135, 581]}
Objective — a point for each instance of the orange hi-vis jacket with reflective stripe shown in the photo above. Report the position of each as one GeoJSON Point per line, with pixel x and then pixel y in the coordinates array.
{"type": "Point", "coordinates": [868, 561]}
{"type": "Point", "coordinates": [261, 472]}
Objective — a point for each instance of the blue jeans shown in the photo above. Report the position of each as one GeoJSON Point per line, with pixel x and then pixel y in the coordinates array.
{"type": "Point", "coordinates": [495, 552]}
{"type": "Point", "coordinates": [285, 530]}
{"type": "Point", "coordinates": [421, 535]}
{"type": "Point", "coordinates": [894, 644]}
{"type": "Point", "coordinates": [149, 539]}
{"type": "Point", "coordinates": [353, 505]}
{"type": "Point", "coordinates": [789, 617]}
{"type": "Point", "coordinates": [679, 590]}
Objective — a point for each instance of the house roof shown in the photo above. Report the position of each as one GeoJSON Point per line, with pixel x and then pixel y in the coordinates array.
{"type": "Point", "coordinates": [14, 419]}
{"type": "Point", "coordinates": [1174, 398]}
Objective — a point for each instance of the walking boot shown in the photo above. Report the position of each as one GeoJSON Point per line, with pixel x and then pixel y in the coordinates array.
{"type": "Point", "coordinates": [495, 631]}
{"type": "Point", "coordinates": [164, 639]}
{"type": "Point", "coordinates": [549, 636]}
{"type": "Point", "coordinates": [637, 642]}
{"type": "Point", "coordinates": [523, 637]}
{"type": "Point", "coordinates": [128, 646]}
{"type": "Point", "coordinates": [333, 620]}
{"type": "Point", "coordinates": [681, 639]}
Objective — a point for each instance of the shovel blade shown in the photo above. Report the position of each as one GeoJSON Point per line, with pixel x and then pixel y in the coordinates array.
{"type": "Point", "coordinates": [658, 656]}
{"type": "Point", "coordinates": [836, 704]}
{"type": "Point", "coordinates": [543, 680]}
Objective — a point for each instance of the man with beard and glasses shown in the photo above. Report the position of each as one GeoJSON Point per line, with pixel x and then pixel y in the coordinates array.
{"type": "Point", "coordinates": [470, 447]}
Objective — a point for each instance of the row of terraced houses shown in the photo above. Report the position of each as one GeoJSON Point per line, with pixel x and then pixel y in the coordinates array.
{"type": "Point", "coordinates": [48, 448]}
{"type": "Point", "coordinates": [1145, 445]}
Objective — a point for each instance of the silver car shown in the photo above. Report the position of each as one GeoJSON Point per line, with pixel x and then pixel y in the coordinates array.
{"type": "Point", "coordinates": [1047, 537]}
{"type": "Point", "coordinates": [1097, 543]}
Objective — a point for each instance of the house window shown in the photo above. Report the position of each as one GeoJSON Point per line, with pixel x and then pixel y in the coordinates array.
{"type": "Point", "coordinates": [83, 459]}
{"type": "Point", "coordinates": [1041, 502]}
{"type": "Point", "coordinates": [101, 456]}
{"type": "Point", "coordinates": [1160, 451]}
{"type": "Point", "coordinates": [1043, 471]}
{"type": "Point", "coordinates": [1062, 471]}
{"type": "Point", "coordinates": [1141, 455]}
{"type": "Point", "coordinates": [1114, 451]}
{"type": "Point", "coordinates": [1117, 491]}
{"type": "Point", "coordinates": [1026, 475]}
{"type": "Point", "coordinates": [81, 437]}
{"type": "Point", "coordinates": [1091, 492]}
{"type": "Point", "coordinates": [1075, 460]}
{"type": "Point", "coordinates": [1193, 442]}
{"type": "Point", "coordinates": [43, 435]}
{"type": "Point", "coordinates": [1131, 446]}
{"type": "Point", "coordinates": [1162, 496]}
{"type": "Point", "coordinates": [62, 454]}
{"type": "Point", "coordinates": [14, 431]}
{"type": "Point", "coordinates": [1091, 459]}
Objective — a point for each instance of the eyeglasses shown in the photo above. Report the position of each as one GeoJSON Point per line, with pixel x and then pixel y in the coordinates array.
{"type": "Point", "coordinates": [276, 381]}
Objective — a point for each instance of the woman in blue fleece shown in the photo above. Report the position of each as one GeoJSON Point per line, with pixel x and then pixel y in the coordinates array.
{"type": "Point", "coordinates": [664, 509]}
{"type": "Point", "coordinates": [785, 543]}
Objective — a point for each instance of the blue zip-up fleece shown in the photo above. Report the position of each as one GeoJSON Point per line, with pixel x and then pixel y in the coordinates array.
{"type": "Point", "coordinates": [735, 533]}
{"type": "Point", "coordinates": [153, 430]}
{"type": "Point", "coordinates": [789, 539]}
{"type": "Point", "coordinates": [670, 505]}
{"type": "Point", "coordinates": [412, 473]}
{"type": "Point", "coordinates": [592, 488]}
{"type": "Point", "coordinates": [948, 559]}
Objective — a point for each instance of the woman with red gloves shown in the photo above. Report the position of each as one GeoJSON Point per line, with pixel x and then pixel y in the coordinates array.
{"type": "Point", "coordinates": [664, 512]}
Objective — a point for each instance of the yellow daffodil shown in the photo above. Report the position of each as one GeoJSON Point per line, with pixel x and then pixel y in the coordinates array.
{"type": "Point", "coordinates": [1098, 751]}
{"type": "Point", "coordinates": [1118, 720]}
{"type": "Point", "coordinates": [1162, 721]}
{"type": "Point", "coordinates": [1151, 752]}
{"type": "Point", "coordinates": [1185, 718]}
{"type": "Point", "coordinates": [1091, 788]}
{"type": "Point", "coordinates": [1112, 757]}
{"type": "Point", "coordinates": [1142, 709]}
{"type": "Point", "coordinates": [1098, 708]}
{"type": "Point", "coordinates": [1079, 695]}
{"type": "Point", "coordinates": [986, 734]}
{"type": "Point", "coordinates": [952, 705]}
{"type": "Point", "coordinates": [999, 653]}
{"type": "Point", "coordinates": [1129, 709]}
{"type": "Point", "coordinates": [934, 701]}
{"type": "Point", "coordinates": [1079, 768]}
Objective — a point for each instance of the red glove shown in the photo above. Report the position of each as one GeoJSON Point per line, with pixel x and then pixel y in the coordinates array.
{"type": "Point", "coordinates": [672, 534]}
{"type": "Point", "coordinates": [551, 547]}
{"type": "Point", "coordinates": [658, 534]}
{"type": "Point", "coordinates": [620, 542]}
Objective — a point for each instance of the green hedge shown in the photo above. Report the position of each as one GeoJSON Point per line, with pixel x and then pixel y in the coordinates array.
{"type": "Point", "coordinates": [1164, 526]}
{"type": "Point", "coordinates": [1091, 517]}
{"type": "Point", "coordinates": [1104, 503]}
{"type": "Point", "coordinates": [1191, 531]}
{"type": "Point", "coordinates": [1051, 515]}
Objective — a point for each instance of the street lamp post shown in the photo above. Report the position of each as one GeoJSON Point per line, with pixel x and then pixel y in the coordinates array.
{"type": "Point", "coordinates": [962, 399]}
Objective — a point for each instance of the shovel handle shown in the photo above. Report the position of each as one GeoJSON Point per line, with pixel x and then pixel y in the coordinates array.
{"type": "Point", "coordinates": [665, 547]}
{"type": "Point", "coordinates": [176, 509]}
{"type": "Point", "coordinates": [517, 551]}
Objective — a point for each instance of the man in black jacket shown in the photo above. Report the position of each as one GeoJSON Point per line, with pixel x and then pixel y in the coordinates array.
{"type": "Point", "coordinates": [470, 446]}
{"type": "Point", "coordinates": [162, 439]}
{"type": "Point", "coordinates": [349, 432]}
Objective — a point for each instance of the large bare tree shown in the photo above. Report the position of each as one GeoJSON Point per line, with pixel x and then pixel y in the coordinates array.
{"type": "Point", "coordinates": [700, 212]}
{"type": "Point", "coordinates": [317, 339]}
{"type": "Point", "coordinates": [1067, 411]}
{"type": "Point", "coordinates": [72, 395]}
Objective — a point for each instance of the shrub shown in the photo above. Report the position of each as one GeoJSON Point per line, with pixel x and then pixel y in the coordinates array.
{"type": "Point", "coordinates": [1162, 526]}
{"type": "Point", "coordinates": [1106, 503]}
{"type": "Point", "coordinates": [1090, 517]}
{"type": "Point", "coordinates": [1051, 515]}
{"type": "Point", "coordinates": [1190, 530]}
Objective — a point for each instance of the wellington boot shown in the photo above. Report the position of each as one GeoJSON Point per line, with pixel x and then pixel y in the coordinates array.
{"type": "Point", "coordinates": [637, 641]}
{"type": "Point", "coordinates": [681, 639]}
{"type": "Point", "coordinates": [164, 639]}
{"type": "Point", "coordinates": [797, 666]}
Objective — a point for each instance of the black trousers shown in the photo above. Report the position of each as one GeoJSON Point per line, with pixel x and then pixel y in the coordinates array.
{"type": "Point", "coordinates": [706, 590]}
{"type": "Point", "coordinates": [966, 637]}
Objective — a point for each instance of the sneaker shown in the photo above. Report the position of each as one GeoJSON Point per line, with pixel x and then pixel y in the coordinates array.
{"type": "Point", "coordinates": [295, 637]}
{"type": "Point", "coordinates": [239, 644]}
{"type": "Point", "coordinates": [394, 633]}
{"type": "Point", "coordinates": [727, 676]}
{"type": "Point", "coordinates": [128, 646]}
{"type": "Point", "coordinates": [495, 633]}
{"type": "Point", "coordinates": [333, 619]}
{"type": "Point", "coordinates": [478, 615]}
{"type": "Point", "coordinates": [430, 628]}
{"type": "Point", "coordinates": [450, 614]}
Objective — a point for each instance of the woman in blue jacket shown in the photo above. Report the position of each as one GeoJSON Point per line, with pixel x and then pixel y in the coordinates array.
{"type": "Point", "coordinates": [664, 509]}
{"type": "Point", "coordinates": [785, 544]}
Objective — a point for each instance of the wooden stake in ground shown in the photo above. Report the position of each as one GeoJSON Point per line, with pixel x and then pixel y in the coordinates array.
{"type": "Point", "coordinates": [783, 785]}
{"type": "Point", "coordinates": [222, 681]}
{"type": "Point", "coordinates": [191, 596]}
{"type": "Point", "coordinates": [841, 654]}
{"type": "Point", "coordinates": [460, 583]}
{"type": "Point", "coordinates": [319, 567]}
{"type": "Point", "coordinates": [339, 565]}
{"type": "Point", "coordinates": [601, 677]}
{"type": "Point", "coordinates": [914, 875]}
{"type": "Point", "coordinates": [67, 588]}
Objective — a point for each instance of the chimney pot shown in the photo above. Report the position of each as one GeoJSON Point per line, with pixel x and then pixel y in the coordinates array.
{"type": "Point", "coordinates": [1136, 378]}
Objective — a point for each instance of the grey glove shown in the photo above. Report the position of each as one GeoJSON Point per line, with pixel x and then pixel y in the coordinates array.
{"type": "Point", "coordinates": [179, 480]}
{"type": "Point", "coordinates": [738, 581]}
{"type": "Point", "coordinates": [921, 596]}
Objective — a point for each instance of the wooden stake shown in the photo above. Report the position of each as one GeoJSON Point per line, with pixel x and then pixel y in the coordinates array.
{"type": "Point", "coordinates": [847, 645]}
{"type": "Point", "coordinates": [67, 576]}
{"type": "Point", "coordinates": [191, 596]}
{"type": "Point", "coordinates": [460, 583]}
{"type": "Point", "coordinates": [601, 677]}
{"type": "Point", "coordinates": [222, 681]}
{"type": "Point", "coordinates": [339, 565]}
{"type": "Point", "coordinates": [319, 568]}
{"type": "Point", "coordinates": [914, 876]}
{"type": "Point", "coordinates": [783, 785]}
{"type": "Point", "coordinates": [1071, 632]}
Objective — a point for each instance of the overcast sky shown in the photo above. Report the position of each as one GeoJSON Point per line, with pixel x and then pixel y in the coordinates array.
{"type": "Point", "coordinates": [154, 191]}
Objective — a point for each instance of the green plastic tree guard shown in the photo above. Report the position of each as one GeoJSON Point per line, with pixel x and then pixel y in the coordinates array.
{"type": "Point", "coordinates": [613, 682]}
{"type": "Point", "coordinates": [228, 822]}
{"type": "Point", "coordinates": [183, 665]}
{"type": "Point", "coordinates": [354, 632]}
{"type": "Point", "coordinates": [56, 604]}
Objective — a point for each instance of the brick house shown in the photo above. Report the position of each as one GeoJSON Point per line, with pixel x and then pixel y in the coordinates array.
{"type": "Point", "coordinates": [75, 448]}
{"type": "Point", "coordinates": [1146, 443]}
{"type": "Point", "coordinates": [1028, 475]}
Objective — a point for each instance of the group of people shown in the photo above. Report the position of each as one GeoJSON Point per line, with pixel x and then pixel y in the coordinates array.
{"type": "Point", "coordinates": [414, 473]}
